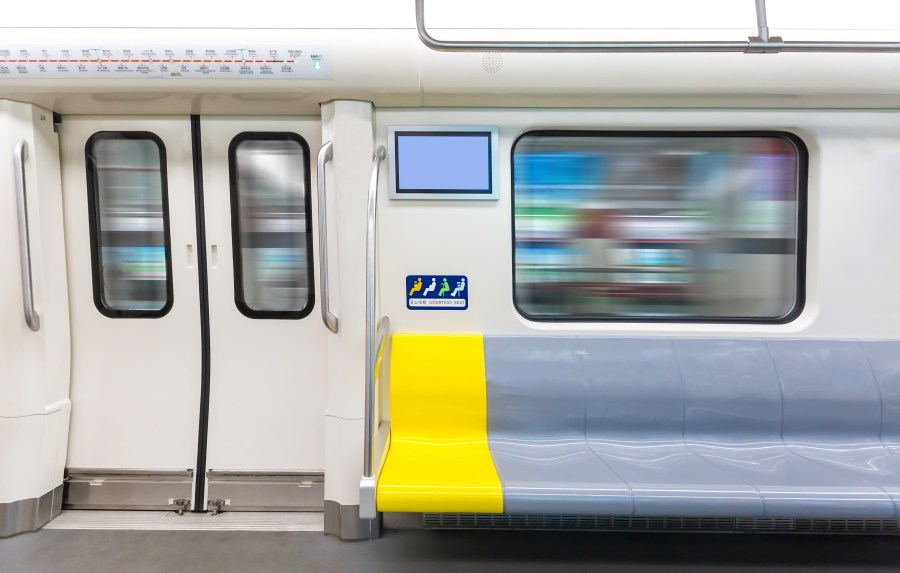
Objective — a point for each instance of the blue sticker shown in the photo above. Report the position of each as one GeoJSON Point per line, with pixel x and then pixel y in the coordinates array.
{"type": "Point", "coordinates": [437, 292]}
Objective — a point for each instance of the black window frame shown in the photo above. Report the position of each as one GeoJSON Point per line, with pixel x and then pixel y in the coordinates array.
{"type": "Point", "coordinates": [801, 240]}
{"type": "Point", "coordinates": [235, 226]}
{"type": "Point", "coordinates": [94, 223]}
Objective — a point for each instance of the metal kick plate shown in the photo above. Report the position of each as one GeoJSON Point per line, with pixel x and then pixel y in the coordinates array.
{"type": "Point", "coordinates": [125, 489]}
{"type": "Point", "coordinates": [282, 491]}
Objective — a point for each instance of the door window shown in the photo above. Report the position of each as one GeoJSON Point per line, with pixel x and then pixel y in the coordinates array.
{"type": "Point", "coordinates": [271, 227]}
{"type": "Point", "coordinates": [129, 222]}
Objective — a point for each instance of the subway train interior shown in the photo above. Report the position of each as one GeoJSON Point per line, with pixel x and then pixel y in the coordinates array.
{"type": "Point", "coordinates": [452, 265]}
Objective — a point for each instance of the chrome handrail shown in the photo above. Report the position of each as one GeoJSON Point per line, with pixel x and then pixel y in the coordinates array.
{"type": "Point", "coordinates": [20, 154]}
{"type": "Point", "coordinates": [762, 43]}
{"type": "Point", "coordinates": [382, 331]}
{"type": "Point", "coordinates": [371, 285]}
{"type": "Point", "coordinates": [325, 155]}
{"type": "Point", "coordinates": [376, 338]}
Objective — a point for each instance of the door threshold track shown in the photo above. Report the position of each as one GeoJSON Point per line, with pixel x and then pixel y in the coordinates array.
{"type": "Point", "coordinates": [171, 521]}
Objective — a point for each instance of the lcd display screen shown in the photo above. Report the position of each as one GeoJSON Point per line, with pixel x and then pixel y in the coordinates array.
{"type": "Point", "coordinates": [445, 162]}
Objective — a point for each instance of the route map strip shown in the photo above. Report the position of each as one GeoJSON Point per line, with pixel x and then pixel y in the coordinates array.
{"type": "Point", "coordinates": [295, 62]}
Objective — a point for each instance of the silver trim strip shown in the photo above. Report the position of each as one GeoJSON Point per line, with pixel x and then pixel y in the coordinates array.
{"type": "Point", "coordinates": [758, 44]}
{"type": "Point", "coordinates": [134, 475]}
{"type": "Point", "coordinates": [325, 155]}
{"type": "Point", "coordinates": [30, 514]}
{"type": "Point", "coordinates": [344, 522]}
{"type": "Point", "coordinates": [254, 474]}
{"type": "Point", "coordinates": [20, 154]}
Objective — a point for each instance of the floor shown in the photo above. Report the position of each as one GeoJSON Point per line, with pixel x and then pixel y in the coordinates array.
{"type": "Point", "coordinates": [228, 551]}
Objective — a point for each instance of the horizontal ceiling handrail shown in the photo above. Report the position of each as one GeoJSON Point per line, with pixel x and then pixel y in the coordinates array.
{"type": "Point", "coordinates": [761, 43]}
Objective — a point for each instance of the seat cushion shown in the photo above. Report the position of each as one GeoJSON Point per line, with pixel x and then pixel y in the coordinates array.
{"type": "Point", "coordinates": [795, 486]}
{"type": "Point", "coordinates": [451, 476]}
{"type": "Point", "coordinates": [545, 476]}
{"type": "Point", "coordinates": [667, 479]}
{"type": "Point", "coordinates": [438, 458]}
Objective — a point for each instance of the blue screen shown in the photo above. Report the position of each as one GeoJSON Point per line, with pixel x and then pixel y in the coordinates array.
{"type": "Point", "coordinates": [443, 162]}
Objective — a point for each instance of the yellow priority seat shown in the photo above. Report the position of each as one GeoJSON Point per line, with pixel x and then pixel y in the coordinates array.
{"type": "Point", "coordinates": [438, 458]}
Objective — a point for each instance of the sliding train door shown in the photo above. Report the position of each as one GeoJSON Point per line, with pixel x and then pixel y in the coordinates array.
{"type": "Point", "coordinates": [131, 240]}
{"type": "Point", "coordinates": [267, 390]}
{"type": "Point", "coordinates": [199, 366]}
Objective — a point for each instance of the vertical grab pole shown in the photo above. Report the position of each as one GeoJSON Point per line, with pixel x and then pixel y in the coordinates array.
{"type": "Point", "coordinates": [371, 285]}
{"type": "Point", "coordinates": [20, 153]}
{"type": "Point", "coordinates": [762, 24]}
{"type": "Point", "coordinates": [367, 484]}
{"type": "Point", "coordinates": [330, 320]}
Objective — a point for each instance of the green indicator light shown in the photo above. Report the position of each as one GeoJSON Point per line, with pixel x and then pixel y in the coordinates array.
{"type": "Point", "coordinates": [316, 64]}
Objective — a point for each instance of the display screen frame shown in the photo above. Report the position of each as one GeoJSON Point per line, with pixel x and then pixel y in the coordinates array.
{"type": "Point", "coordinates": [395, 159]}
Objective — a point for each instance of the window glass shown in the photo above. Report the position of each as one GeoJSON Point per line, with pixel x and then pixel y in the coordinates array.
{"type": "Point", "coordinates": [630, 226]}
{"type": "Point", "coordinates": [129, 224]}
{"type": "Point", "coordinates": [271, 219]}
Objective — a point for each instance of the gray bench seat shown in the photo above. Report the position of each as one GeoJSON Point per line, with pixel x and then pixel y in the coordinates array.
{"type": "Point", "coordinates": [695, 427]}
{"type": "Point", "coordinates": [635, 425]}
{"type": "Point", "coordinates": [733, 417]}
{"type": "Point", "coordinates": [566, 476]}
{"type": "Point", "coordinates": [841, 422]}
{"type": "Point", "coordinates": [538, 382]}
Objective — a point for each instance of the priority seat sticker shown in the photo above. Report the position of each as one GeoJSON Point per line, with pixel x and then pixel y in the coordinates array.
{"type": "Point", "coordinates": [437, 292]}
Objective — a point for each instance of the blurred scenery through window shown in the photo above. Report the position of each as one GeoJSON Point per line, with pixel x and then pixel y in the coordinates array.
{"type": "Point", "coordinates": [665, 226]}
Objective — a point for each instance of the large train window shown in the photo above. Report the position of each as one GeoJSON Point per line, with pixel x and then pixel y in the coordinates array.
{"type": "Point", "coordinates": [129, 220]}
{"type": "Point", "coordinates": [659, 226]}
{"type": "Point", "coordinates": [271, 226]}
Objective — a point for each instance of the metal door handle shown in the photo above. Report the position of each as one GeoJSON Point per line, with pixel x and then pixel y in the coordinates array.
{"type": "Point", "coordinates": [330, 320]}
{"type": "Point", "coordinates": [20, 153]}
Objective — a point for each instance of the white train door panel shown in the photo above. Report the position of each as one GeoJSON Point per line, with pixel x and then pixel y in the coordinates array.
{"type": "Point", "coordinates": [134, 291]}
{"type": "Point", "coordinates": [268, 347]}
{"type": "Point", "coordinates": [34, 321]}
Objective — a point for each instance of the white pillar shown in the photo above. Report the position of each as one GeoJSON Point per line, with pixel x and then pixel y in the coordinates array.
{"type": "Point", "coordinates": [34, 365]}
{"type": "Point", "coordinates": [349, 126]}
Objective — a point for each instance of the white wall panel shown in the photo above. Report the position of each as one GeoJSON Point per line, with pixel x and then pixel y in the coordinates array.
{"type": "Point", "coordinates": [348, 124]}
{"type": "Point", "coordinates": [853, 247]}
